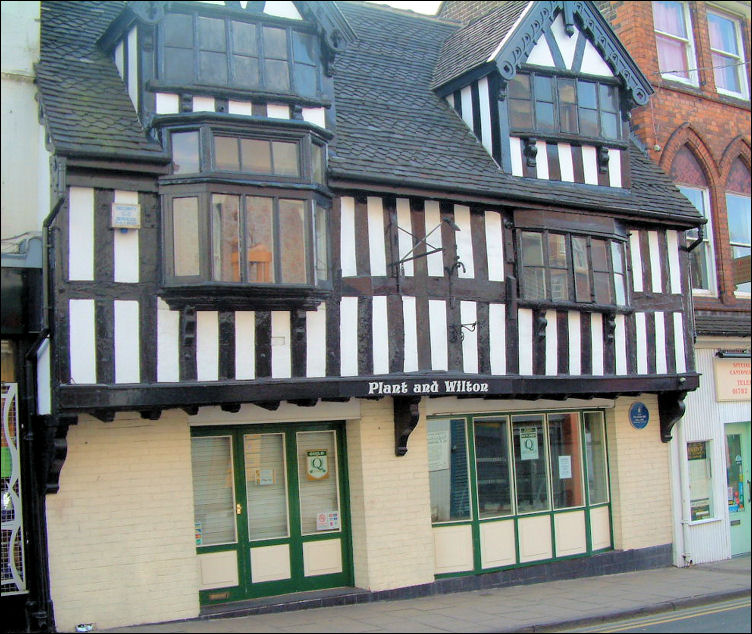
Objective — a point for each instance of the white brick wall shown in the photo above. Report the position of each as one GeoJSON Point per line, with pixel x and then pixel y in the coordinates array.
{"type": "Point", "coordinates": [640, 482]}
{"type": "Point", "coordinates": [389, 501]}
{"type": "Point", "coordinates": [120, 530]}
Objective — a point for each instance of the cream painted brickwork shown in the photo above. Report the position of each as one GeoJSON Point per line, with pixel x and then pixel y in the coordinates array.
{"type": "Point", "coordinates": [120, 530]}
{"type": "Point", "coordinates": [640, 481]}
{"type": "Point", "coordinates": [389, 501]}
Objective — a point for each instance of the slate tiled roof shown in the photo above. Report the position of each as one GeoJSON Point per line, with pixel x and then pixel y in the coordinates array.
{"type": "Point", "coordinates": [84, 99]}
{"type": "Point", "coordinates": [723, 324]}
{"type": "Point", "coordinates": [392, 129]}
{"type": "Point", "coordinates": [473, 44]}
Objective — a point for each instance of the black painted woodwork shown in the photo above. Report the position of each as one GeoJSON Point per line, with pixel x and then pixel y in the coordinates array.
{"type": "Point", "coordinates": [671, 408]}
{"type": "Point", "coordinates": [406, 415]}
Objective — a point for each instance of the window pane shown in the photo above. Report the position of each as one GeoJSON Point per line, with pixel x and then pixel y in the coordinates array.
{"type": "Point", "coordinates": [672, 56]}
{"type": "Point", "coordinates": [178, 63]}
{"type": "Point", "coordinates": [699, 267]}
{"type": "Point", "coordinates": [492, 468]}
{"type": "Point", "coordinates": [602, 283]}
{"type": "Point", "coordinates": [568, 118]}
{"type": "Point", "coordinates": [737, 208]}
{"type": "Point", "coordinates": [586, 96]}
{"type": "Point", "coordinates": [609, 98]}
{"type": "Point", "coordinates": [178, 30]}
{"type": "Point", "coordinates": [567, 93]}
{"type": "Point", "coordinates": [304, 47]}
{"type": "Point", "coordinates": [609, 125]}
{"type": "Point", "coordinates": [292, 239]}
{"type": "Point", "coordinates": [213, 67]}
{"type": "Point", "coordinates": [531, 473]}
{"type": "Point", "coordinates": [544, 115]}
{"type": "Point", "coordinates": [185, 152]}
{"type": "Point", "coordinates": [669, 18]}
{"type": "Point", "coordinates": [588, 122]}
{"type": "Point", "coordinates": [559, 285]}
{"type": "Point", "coordinates": [520, 114]}
{"type": "Point", "coordinates": [259, 239]}
{"type": "Point", "coordinates": [225, 238]}
{"type": "Point", "coordinates": [544, 88]}
{"type": "Point", "coordinates": [599, 254]}
{"type": "Point", "coordinates": [448, 473]}
{"type": "Point", "coordinates": [557, 250]}
{"type": "Point", "coordinates": [581, 270]}
{"type": "Point", "coordinates": [244, 38]}
{"type": "Point", "coordinates": [322, 244]}
{"type": "Point", "coordinates": [595, 443]}
{"type": "Point", "coordinates": [519, 86]}
{"type": "Point", "coordinates": [619, 290]}
{"type": "Point", "coordinates": [726, 73]}
{"type": "Point", "coordinates": [211, 34]}
{"type": "Point", "coordinates": [213, 492]}
{"type": "Point", "coordinates": [617, 257]}
{"type": "Point", "coordinates": [700, 481]}
{"type": "Point", "coordinates": [566, 460]}
{"type": "Point", "coordinates": [534, 283]}
{"type": "Point", "coordinates": [285, 158]}
{"type": "Point", "coordinates": [226, 153]}
{"type": "Point", "coordinates": [246, 71]}
{"type": "Point", "coordinates": [317, 158]}
{"type": "Point", "coordinates": [276, 75]}
{"type": "Point", "coordinates": [741, 268]}
{"type": "Point", "coordinates": [532, 248]}
{"type": "Point", "coordinates": [266, 485]}
{"type": "Point", "coordinates": [722, 34]}
{"type": "Point", "coordinates": [306, 79]}
{"type": "Point", "coordinates": [275, 43]}
{"type": "Point", "coordinates": [185, 243]}
{"type": "Point", "coordinates": [256, 155]}
{"type": "Point", "coordinates": [317, 480]}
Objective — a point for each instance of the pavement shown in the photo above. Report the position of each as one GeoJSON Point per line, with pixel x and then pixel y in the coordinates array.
{"type": "Point", "coordinates": [548, 606]}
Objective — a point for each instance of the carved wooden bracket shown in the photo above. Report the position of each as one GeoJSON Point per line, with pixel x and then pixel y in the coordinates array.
{"type": "Point", "coordinates": [51, 448]}
{"type": "Point", "coordinates": [530, 150]}
{"type": "Point", "coordinates": [671, 408]}
{"type": "Point", "coordinates": [540, 323]}
{"type": "Point", "coordinates": [405, 419]}
{"type": "Point", "coordinates": [603, 157]}
{"type": "Point", "coordinates": [609, 319]}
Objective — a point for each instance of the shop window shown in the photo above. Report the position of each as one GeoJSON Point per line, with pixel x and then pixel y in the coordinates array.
{"type": "Point", "coordinates": [317, 480]}
{"type": "Point", "coordinates": [595, 453]}
{"type": "Point", "coordinates": [530, 464]}
{"type": "Point", "coordinates": [266, 485]}
{"type": "Point", "coordinates": [674, 41]}
{"type": "Point", "coordinates": [737, 211]}
{"type": "Point", "coordinates": [244, 55]}
{"type": "Point", "coordinates": [552, 105]}
{"type": "Point", "coordinates": [448, 470]}
{"type": "Point", "coordinates": [727, 54]}
{"type": "Point", "coordinates": [565, 268]}
{"type": "Point", "coordinates": [700, 481]}
{"type": "Point", "coordinates": [492, 467]}
{"type": "Point", "coordinates": [565, 451]}
{"type": "Point", "coordinates": [213, 490]}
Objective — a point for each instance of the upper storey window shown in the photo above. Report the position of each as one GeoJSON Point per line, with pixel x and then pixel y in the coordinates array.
{"type": "Point", "coordinates": [673, 38]}
{"type": "Point", "coordinates": [551, 104]}
{"type": "Point", "coordinates": [727, 54]}
{"type": "Point", "coordinates": [230, 53]}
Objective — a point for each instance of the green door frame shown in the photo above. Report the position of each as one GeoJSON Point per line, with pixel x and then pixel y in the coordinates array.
{"type": "Point", "coordinates": [740, 515]}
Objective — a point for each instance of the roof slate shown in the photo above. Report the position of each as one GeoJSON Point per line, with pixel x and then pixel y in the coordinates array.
{"type": "Point", "coordinates": [472, 45]}
{"type": "Point", "coordinates": [84, 99]}
{"type": "Point", "coordinates": [391, 128]}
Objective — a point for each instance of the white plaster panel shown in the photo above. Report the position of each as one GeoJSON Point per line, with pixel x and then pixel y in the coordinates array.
{"type": "Point", "coordinates": [525, 332]}
{"type": "Point", "coordinates": [485, 114]}
{"type": "Point", "coordinates": [245, 344]}
{"type": "Point", "coordinates": [217, 570]}
{"type": "Point", "coordinates": [277, 111]}
{"type": "Point", "coordinates": [655, 262]}
{"type": "Point", "coordinates": [596, 342]}
{"type": "Point", "coordinates": [404, 234]}
{"type": "Point", "coordinates": [81, 233]}
{"type": "Point", "coordinates": [464, 238]}
{"type": "Point", "coordinates": [515, 154]}
{"type": "Point", "coordinates": [120, 59]}
{"type": "Point", "coordinates": [380, 334]}
{"type": "Point", "coordinates": [348, 336]}
{"type": "Point", "coordinates": [620, 339]}
{"type": "Point", "coordinates": [469, 315]}
{"type": "Point", "coordinates": [535, 538]}
{"type": "Point", "coordinates": [634, 249]}
{"type": "Point", "coordinates": [133, 67]}
{"type": "Point", "coordinates": [281, 345]}
{"type": "Point", "coordinates": [641, 341]}
{"type": "Point", "coordinates": [126, 245]}
{"type": "Point", "coordinates": [438, 330]}
{"type": "Point", "coordinates": [592, 62]}
{"type": "Point", "coordinates": [127, 342]}
{"type": "Point", "coordinates": [347, 237]}
{"type": "Point", "coordinates": [575, 342]}
{"type": "Point", "coordinates": [322, 557]}
{"type": "Point", "coordinates": [453, 548]}
{"type": "Point", "coordinates": [282, 9]}
{"type": "Point", "coordinates": [680, 357]}
{"type": "Point", "coordinates": [660, 343]}
{"type": "Point", "coordinates": [168, 343]}
{"type": "Point", "coordinates": [466, 97]}
{"type": "Point", "coordinates": [270, 563]}
{"type": "Point", "coordinates": [83, 349]}
{"type": "Point", "coordinates": [240, 107]}
{"type": "Point", "coordinates": [566, 166]}
{"type": "Point", "coordinates": [589, 164]}
{"type": "Point", "coordinates": [410, 321]}
{"type": "Point", "coordinates": [317, 116]}
{"type": "Point", "coordinates": [614, 167]}
{"type": "Point", "coordinates": [552, 343]}
{"type": "Point", "coordinates": [673, 261]}
{"type": "Point", "coordinates": [494, 246]}
{"type": "Point", "coordinates": [167, 103]}
{"type": "Point", "coordinates": [203, 104]}
{"type": "Point", "coordinates": [566, 43]}
{"type": "Point", "coordinates": [541, 160]}
{"type": "Point", "coordinates": [435, 261]}
{"type": "Point", "coordinates": [207, 345]}
{"type": "Point", "coordinates": [570, 533]}
{"type": "Point", "coordinates": [541, 54]}
{"type": "Point", "coordinates": [497, 338]}
{"type": "Point", "coordinates": [376, 244]}
{"type": "Point", "coordinates": [497, 544]}
{"type": "Point", "coordinates": [316, 341]}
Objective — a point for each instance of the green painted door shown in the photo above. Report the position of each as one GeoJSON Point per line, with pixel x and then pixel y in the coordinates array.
{"type": "Point", "coordinates": [270, 508]}
{"type": "Point", "coordinates": [738, 483]}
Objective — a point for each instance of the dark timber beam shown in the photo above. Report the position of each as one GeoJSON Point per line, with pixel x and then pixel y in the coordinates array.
{"type": "Point", "coordinates": [406, 416]}
{"type": "Point", "coordinates": [671, 408]}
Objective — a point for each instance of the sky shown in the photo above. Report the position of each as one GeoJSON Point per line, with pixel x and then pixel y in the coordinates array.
{"type": "Point", "coordinates": [419, 7]}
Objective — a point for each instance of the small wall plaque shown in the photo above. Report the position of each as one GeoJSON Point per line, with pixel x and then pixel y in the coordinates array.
{"type": "Point", "coordinates": [126, 216]}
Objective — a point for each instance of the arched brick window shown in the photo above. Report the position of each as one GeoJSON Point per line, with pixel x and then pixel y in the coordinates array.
{"type": "Point", "coordinates": [738, 211]}
{"type": "Point", "coordinates": [689, 177]}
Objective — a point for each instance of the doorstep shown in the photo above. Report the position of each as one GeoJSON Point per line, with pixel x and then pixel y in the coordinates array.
{"type": "Point", "coordinates": [286, 602]}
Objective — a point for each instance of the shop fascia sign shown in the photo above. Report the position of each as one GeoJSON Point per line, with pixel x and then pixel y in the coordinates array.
{"type": "Point", "coordinates": [436, 386]}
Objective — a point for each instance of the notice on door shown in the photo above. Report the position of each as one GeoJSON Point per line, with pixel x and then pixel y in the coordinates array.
{"type": "Point", "coordinates": [327, 521]}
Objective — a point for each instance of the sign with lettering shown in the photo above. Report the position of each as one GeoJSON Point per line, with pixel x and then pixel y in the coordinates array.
{"type": "Point", "coordinates": [126, 216]}
{"type": "Point", "coordinates": [639, 415]}
{"type": "Point", "coordinates": [732, 379]}
{"type": "Point", "coordinates": [317, 467]}
{"type": "Point", "coordinates": [394, 388]}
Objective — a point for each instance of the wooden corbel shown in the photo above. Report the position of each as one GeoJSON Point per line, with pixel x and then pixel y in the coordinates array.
{"type": "Point", "coordinates": [671, 408]}
{"type": "Point", "coordinates": [406, 416]}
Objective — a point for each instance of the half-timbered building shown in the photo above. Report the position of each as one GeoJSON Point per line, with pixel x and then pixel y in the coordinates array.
{"type": "Point", "coordinates": [345, 297]}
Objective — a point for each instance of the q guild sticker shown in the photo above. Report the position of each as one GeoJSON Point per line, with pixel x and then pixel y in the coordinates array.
{"type": "Point", "coordinates": [317, 466]}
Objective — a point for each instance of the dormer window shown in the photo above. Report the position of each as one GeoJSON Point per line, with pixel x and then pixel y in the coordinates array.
{"type": "Point", "coordinates": [553, 105]}
{"type": "Point", "coordinates": [226, 52]}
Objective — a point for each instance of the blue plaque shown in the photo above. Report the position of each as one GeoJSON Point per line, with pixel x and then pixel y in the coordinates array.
{"type": "Point", "coordinates": [639, 415]}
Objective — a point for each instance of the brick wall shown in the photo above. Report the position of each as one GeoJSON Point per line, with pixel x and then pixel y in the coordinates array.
{"type": "Point", "coordinates": [716, 128]}
{"type": "Point", "coordinates": [120, 531]}
{"type": "Point", "coordinates": [640, 482]}
{"type": "Point", "coordinates": [389, 502]}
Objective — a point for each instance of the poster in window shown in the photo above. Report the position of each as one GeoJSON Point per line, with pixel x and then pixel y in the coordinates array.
{"type": "Point", "coordinates": [565, 467]}
{"type": "Point", "coordinates": [317, 467]}
{"type": "Point", "coordinates": [438, 450]}
{"type": "Point", "coordinates": [529, 443]}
